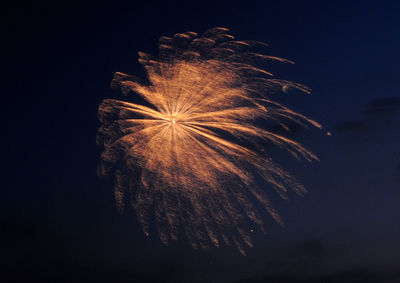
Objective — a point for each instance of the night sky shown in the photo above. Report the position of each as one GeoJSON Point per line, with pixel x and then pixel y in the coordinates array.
{"type": "Point", "coordinates": [59, 222]}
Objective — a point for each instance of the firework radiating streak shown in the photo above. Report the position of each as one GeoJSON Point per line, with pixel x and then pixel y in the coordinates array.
{"type": "Point", "coordinates": [184, 156]}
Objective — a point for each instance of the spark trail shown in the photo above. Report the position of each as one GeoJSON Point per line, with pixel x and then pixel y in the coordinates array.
{"type": "Point", "coordinates": [193, 154]}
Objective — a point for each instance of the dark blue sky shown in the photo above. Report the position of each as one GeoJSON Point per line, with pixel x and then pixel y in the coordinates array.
{"type": "Point", "coordinates": [59, 222]}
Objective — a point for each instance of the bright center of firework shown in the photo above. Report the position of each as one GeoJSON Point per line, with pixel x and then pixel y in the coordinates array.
{"type": "Point", "coordinates": [172, 121]}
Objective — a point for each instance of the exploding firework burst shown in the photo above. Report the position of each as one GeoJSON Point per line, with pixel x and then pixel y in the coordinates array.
{"type": "Point", "coordinates": [192, 156]}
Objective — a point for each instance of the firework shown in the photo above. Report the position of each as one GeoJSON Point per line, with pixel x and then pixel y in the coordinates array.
{"type": "Point", "coordinates": [193, 155]}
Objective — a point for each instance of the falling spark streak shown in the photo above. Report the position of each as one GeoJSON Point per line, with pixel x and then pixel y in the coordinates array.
{"type": "Point", "coordinates": [195, 155]}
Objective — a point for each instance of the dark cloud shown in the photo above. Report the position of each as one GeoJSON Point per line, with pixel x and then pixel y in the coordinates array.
{"type": "Point", "coordinates": [304, 257]}
{"type": "Point", "coordinates": [378, 114]}
{"type": "Point", "coordinates": [310, 261]}
{"type": "Point", "coordinates": [347, 276]}
{"type": "Point", "coordinates": [383, 106]}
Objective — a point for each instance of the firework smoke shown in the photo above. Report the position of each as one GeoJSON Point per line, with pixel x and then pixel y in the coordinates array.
{"type": "Point", "coordinates": [193, 156]}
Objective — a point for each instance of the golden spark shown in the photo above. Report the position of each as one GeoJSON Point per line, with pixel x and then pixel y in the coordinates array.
{"type": "Point", "coordinates": [194, 153]}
